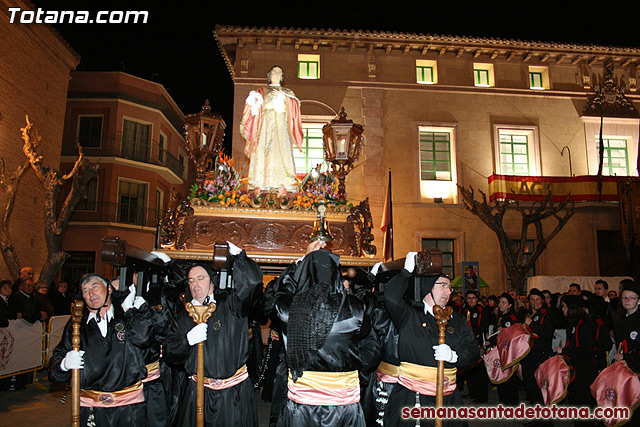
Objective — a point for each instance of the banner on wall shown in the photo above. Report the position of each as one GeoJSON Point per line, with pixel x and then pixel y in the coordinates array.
{"type": "Point", "coordinates": [20, 347]}
{"type": "Point", "coordinates": [536, 188]}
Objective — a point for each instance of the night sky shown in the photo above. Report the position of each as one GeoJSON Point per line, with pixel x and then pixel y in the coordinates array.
{"type": "Point", "coordinates": [176, 47]}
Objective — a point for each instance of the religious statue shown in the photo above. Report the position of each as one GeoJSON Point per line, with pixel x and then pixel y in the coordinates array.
{"type": "Point", "coordinates": [271, 126]}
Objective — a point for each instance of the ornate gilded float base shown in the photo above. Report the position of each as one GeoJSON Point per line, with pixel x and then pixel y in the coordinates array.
{"type": "Point", "coordinates": [191, 228]}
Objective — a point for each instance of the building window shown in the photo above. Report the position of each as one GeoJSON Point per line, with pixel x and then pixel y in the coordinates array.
{"type": "Point", "coordinates": [483, 75]}
{"type": "Point", "coordinates": [616, 160]}
{"type": "Point", "coordinates": [136, 139]}
{"type": "Point", "coordinates": [448, 257]}
{"type": "Point", "coordinates": [89, 131]}
{"type": "Point", "coordinates": [539, 78]}
{"type": "Point", "coordinates": [132, 197]}
{"type": "Point", "coordinates": [517, 150]}
{"type": "Point", "coordinates": [312, 153]}
{"type": "Point", "coordinates": [182, 165]}
{"type": "Point", "coordinates": [308, 66]}
{"type": "Point", "coordinates": [426, 71]}
{"type": "Point", "coordinates": [435, 155]}
{"type": "Point", "coordinates": [162, 147]}
{"type": "Point", "coordinates": [89, 201]}
{"type": "Point", "coordinates": [159, 204]}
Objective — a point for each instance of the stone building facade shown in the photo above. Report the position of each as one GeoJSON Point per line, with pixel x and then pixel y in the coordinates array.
{"type": "Point", "coordinates": [445, 111]}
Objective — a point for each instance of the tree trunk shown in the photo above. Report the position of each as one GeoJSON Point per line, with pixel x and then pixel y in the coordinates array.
{"type": "Point", "coordinates": [9, 186]}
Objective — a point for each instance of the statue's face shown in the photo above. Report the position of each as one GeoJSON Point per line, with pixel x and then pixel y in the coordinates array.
{"type": "Point", "coordinates": [276, 76]}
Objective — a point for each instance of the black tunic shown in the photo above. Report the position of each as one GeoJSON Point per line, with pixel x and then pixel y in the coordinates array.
{"type": "Point", "coordinates": [225, 351]}
{"type": "Point", "coordinates": [627, 335]}
{"type": "Point", "coordinates": [418, 333]}
{"type": "Point", "coordinates": [339, 353]}
{"type": "Point", "coordinates": [111, 363]}
{"type": "Point", "coordinates": [578, 352]}
{"type": "Point", "coordinates": [543, 325]}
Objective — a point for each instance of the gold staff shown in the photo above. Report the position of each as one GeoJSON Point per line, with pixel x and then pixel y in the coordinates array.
{"type": "Point", "coordinates": [442, 316]}
{"type": "Point", "coordinates": [200, 314]}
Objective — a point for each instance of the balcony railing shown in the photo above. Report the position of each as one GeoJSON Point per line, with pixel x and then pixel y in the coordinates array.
{"type": "Point", "coordinates": [116, 212]}
{"type": "Point", "coordinates": [118, 147]}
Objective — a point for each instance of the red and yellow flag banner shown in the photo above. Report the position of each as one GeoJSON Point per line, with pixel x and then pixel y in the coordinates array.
{"type": "Point", "coordinates": [536, 188]}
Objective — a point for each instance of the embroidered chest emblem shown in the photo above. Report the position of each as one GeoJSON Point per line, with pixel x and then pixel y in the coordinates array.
{"type": "Point", "coordinates": [610, 394]}
{"type": "Point", "coordinates": [119, 327]}
{"type": "Point", "coordinates": [535, 319]}
{"type": "Point", "coordinates": [450, 330]}
{"type": "Point", "coordinates": [475, 315]}
{"type": "Point", "coordinates": [507, 324]}
{"type": "Point", "coordinates": [633, 335]}
{"type": "Point", "coordinates": [216, 326]}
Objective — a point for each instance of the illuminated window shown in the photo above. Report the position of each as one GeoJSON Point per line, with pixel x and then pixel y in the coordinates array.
{"type": "Point", "coordinates": [435, 155]}
{"type": "Point", "coordinates": [448, 257]}
{"type": "Point", "coordinates": [308, 66]}
{"type": "Point", "coordinates": [426, 71]}
{"type": "Point", "coordinates": [312, 150]}
{"type": "Point", "coordinates": [483, 75]}
{"type": "Point", "coordinates": [539, 78]}
{"type": "Point", "coordinates": [436, 162]}
{"type": "Point", "coordinates": [616, 160]}
{"type": "Point", "coordinates": [517, 150]}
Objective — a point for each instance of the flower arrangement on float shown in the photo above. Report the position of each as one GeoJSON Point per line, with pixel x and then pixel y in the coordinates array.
{"type": "Point", "coordinates": [228, 187]}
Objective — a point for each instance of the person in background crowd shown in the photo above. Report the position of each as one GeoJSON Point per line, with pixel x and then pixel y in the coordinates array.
{"type": "Point", "coordinates": [552, 305]}
{"type": "Point", "coordinates": [613, 300]}
{"type": "Point", "coordinates": [25, 273]}
{"type": "Point", "coordinates": [543, 325]}
{"type": "Point", "coordinates": [23, 305]}
{"type": "Point", "coordinates": [627, 325]}
{"type": "Point", "coordinates": [42, 299]}
{"type": "Point", "coordinates": [522, 308]}
{"type": "Point", "coordinates": [508, 390]}
{"type": "Point", "coordinates": [5, 293]}
{"type": "Point", "coordinates": [574, 289]}
{"type": "Point", "coordinates": [578, 351]}
{"type": "Point", "coordinates": [60, 298]}
{"type": "Point", "coordinates": [601, 289]}
{"type": "Point", "coordinates": [456, 302]}
{"type": "Point", "coordinates": [478, 318]}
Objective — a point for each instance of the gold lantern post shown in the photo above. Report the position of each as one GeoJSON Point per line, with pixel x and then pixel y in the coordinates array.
{"type": "Point", "coordinates": [203, 132]}
{"type": "Point", "coordinates": [342, 144]}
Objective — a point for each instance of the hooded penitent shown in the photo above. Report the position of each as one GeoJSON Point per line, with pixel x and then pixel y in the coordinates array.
{"type": "Point", "coordinates": [314, 308]}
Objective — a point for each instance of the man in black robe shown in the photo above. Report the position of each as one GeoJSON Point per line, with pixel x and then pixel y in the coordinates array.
{"type": "Point", "coordinates": [418, 348]}
{"type": "Point", "coordinates": [228, 393]}
{"type": "Point", "coordinates": [478, 319]}
{"type": "Point", "coordinates": [110, 360]}
{"type": "Point", "coordinates": [322, 326]}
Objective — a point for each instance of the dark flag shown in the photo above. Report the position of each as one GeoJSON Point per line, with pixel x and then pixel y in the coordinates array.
{"type": "Point", "coordinates": [387, 224]}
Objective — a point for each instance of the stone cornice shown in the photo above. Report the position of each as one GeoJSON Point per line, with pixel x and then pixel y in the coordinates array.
{"type": "Point", "coordinates": [403, 43]}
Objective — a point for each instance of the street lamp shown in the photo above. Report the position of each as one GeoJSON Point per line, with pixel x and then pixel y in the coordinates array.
{"type": "Point", "coordinates": [342, 144]}
{"type": "Point", "coordinates": [204, 132]}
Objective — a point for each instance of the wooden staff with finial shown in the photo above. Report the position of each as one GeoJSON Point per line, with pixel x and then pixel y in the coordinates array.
{"type": "Point", "coordinates": [200, 314]}
{"type": "Point", "coordinates": [442, 316]}
{"type": "Point", "coordinates": [76, 319]}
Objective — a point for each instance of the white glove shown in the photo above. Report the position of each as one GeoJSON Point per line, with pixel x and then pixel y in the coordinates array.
{"type": "Point", "coordinates": [375, 268]}
{"type": "Point", "coordinates": [444, 352]}
{"type": "Point", "coordinates": [138, 302]}
{"type": "Point", "coordinates": [164, 257]}
{"type": "Point", "coordinates": [73, 360]}
{"type": "Point", "coordinates": [197, 334]}
{"type": "Point", "coordinates": [410, 261]}
{"type": "Point", "coordinates": [233, 249]}
{"type": "Point", "coordinates": [129, 301]}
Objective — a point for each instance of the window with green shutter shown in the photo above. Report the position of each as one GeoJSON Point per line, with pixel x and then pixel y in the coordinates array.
{"type": "Point", "coordinates": [435, 156]}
